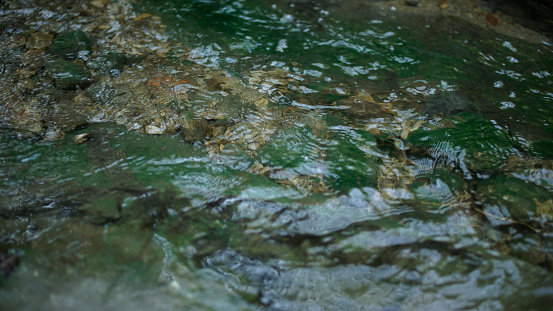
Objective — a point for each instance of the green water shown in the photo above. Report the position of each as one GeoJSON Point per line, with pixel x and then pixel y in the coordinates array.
{"type": "Point", "coordinates": [343, 207]}
{"type": "Point", "coordinates": [328, 43]}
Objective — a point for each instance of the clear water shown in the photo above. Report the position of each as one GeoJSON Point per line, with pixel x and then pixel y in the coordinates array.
{"type": "Point", "coordinates": [438, 200]}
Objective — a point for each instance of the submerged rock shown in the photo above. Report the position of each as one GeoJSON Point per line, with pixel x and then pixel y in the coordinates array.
{"type": "Point", "coordinates": [314, 157]}
{"type": "Point", "coordinates": [466, 141]}
{"type": "Point", "coordinates": [363, 105]}
{"type": "Point", "coordinates": [67, 75]}
{"type": "Point", "coordinates": [71, 44]}
{"type": "Point", "coordinates": [542, 148]}
{"type": "Point", "coordinates": [26, 118]}
{"type": "Point", "coordinates": [508, 200]}
{"type": "Point", "coordinates": [445, 104]}
{"type": "Point", "coordinates": [352, 161]}
{"type": "Point", "coordinates": [108, 63]}
{"type": "Point", "coordinates": [39, 40]}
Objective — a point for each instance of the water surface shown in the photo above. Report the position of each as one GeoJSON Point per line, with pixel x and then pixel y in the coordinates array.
{"type": "Point", "coordinates": [403, 162]}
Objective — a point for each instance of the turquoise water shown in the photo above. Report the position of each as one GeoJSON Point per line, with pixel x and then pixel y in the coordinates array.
{"type": "Point", "coordinates": [405, 165]}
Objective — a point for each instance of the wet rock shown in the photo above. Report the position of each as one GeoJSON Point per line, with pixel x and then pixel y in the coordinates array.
{"type": "Point", "coordinates": [32, 60]}
{"type": "Point", "coordinates": [11, 62]}
{"type": "Point", "coordinates": [67, 75]}
{"type": "Point", "coordinates": [234, 157]}
{"type": "Point", "coordinates": [444, 104]}
{"type": "Point", "coordinates": [535, 170]}
{"type": "Point", "coordinates": [232, 108]}
{"type": "Point", "coordinates": [362, 105]}
{"type": "Point", "coordinates": [71, 44]}
{"type": "Point", "coordinates": [39, 40]}
{"type": "Point", "coordinates": [65, 116]}
{"type": "Point", "coordinates": [26, 118]}
{"type": "Point", "coordinates": [154, 130]}
{"type": "Point", "coordinates": [195, 130]}
{"type": "Point", "coordinates": [53, 134]}
{"type": "Point", "coordinates": [248, 135]}
{"type": "Point", "coordinates": [108, 63]}
{"type": "Point", "coordinates": [272, 80]}
{"type": "Point", "coordinates": [442, 189]}
{"type": "Point", "coordinates": [101, 93]}
{"type": "Point", "coordinates": [296, 150]}
{"type": "Point", "coordinates": [306, 158]}
{"type": "Point", "coordinates": [80, 138]}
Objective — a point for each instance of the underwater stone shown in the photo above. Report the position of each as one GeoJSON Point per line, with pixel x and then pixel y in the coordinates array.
{"type": "Point", "coordinates": [108, 63]}
{"type": "Point", "coordinates": [507, 200]}
{"type": "Point", "coordinates": [196, 130]}
{"type": "Point", "coordinates": [467, 141]}
{"type": "Point", "coordinates": [27, 119]}
{"type": "Point", "coordinates": [67, 75]}
{"type": "Point", "coordinates": [542, 148]}
{"type": "Point", "coordinates": [445, 104]}
{"type": "Point", "coordinates": [70, 44]}
{"type": "Point", "coordinates": [101, 93]}
{"type": "Point", "coordinates": [347, 165]}
{"type": "Point", "coordinates": [351, 160]}
{"type": "Point", "coordinates": [66, 116]}
{"type": "Point", "coordinates": [39, 40]}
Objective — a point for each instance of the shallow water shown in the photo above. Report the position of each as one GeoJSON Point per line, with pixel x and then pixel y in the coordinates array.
{"type": "Point", "coordinates": [403, 162]}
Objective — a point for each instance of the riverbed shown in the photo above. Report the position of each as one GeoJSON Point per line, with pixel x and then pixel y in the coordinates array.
{"type": "Point", "coordinates": [283, 155]}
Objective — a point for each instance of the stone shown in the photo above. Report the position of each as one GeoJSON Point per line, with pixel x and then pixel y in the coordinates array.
{"type": "Point", "coordinates": [108, 63]}
{"type": "Point", "coordinates": [65, 116]}
{"type": "Point", "coordinates": [80, 138]}
{"type": "Point", "coordinates": [39, 40]}
{"type": "Point", "coordinates": [506, 200]}
{"type": "Point", "coordinates": [26, 119]}
{"type": "Point", "coordinates": [154, 130]}
{"type": "Point", "coordinates": [466, 141]}
{"type": "Point", "coordinates": [71, 44]}
{"type": "Point", "coordinates": [67, 75]}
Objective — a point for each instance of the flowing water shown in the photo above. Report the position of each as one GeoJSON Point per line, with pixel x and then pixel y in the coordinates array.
{"type": "Point", "coordinates": [314, 156]}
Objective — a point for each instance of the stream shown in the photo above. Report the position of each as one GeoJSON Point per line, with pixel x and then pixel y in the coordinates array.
{"type": "Point", "coordinates": [274, 155]}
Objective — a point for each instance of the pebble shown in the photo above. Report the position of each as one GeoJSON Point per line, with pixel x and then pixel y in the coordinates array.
{"type": "Point", "coordinates": [154, 130]}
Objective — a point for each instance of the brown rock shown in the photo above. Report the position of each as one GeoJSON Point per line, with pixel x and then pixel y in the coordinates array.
{"type": "Point", "coordinates": [492, 20]}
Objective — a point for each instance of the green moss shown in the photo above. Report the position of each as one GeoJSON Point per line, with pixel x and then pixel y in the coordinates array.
{"type": "Point", "coordinates": [542, 148]}
{"type": "Point", "coordinates": [468, 141]}
{"type": "Point", "coordinates": [351, 161]}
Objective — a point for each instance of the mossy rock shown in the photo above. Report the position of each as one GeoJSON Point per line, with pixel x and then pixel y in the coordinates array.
{"type": "Point", "coordinates": [345, 161]}
{"type": "Point", "coordinates": [351, 160]}
{"type": "Point", "coordinates": [439, 189]}
{"type": "Point", "coordinates": [67, 75]}
{"type": "Point", "coordinates": [506, 200]}
{"type": "Point", "coordinates": [71, 44]}
{"type": "Point", "coordinates": [542, 148]}
{"type": "Point", "coordinates": [294, 148]}
{"type": "Point", "coordinates": [468, 141]}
